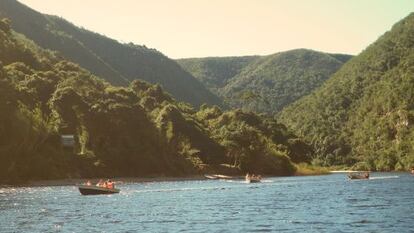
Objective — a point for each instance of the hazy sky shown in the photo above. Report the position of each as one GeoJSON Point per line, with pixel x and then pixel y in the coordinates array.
{"type": "Point", "coordinates": [200, 28]}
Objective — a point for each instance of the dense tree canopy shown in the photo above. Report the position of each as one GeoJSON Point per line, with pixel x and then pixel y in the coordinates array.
{"type": "Point", "coordinates": [365, 112]}
{"type": "Point", "coordinates": [266, 83]}
{"type": "Point", "coordinates": [120, 131]}
{"type": "Point", "coordinates": [215, 72]}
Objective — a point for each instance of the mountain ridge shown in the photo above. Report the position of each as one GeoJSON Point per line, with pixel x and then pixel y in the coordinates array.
{"type": "Point", "coordinates": [363, 114]}
{"type": "Point", "coordinates": [265, 83]}
{"type": "Point", "coordinates": [117, 63]}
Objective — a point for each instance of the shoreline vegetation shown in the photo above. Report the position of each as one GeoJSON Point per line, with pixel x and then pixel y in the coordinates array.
{"type": "Point", "coordinates": [304, 169]}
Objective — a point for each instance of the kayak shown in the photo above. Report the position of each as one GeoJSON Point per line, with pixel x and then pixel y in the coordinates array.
{"type": "Point", "coordinates": [95, 190]}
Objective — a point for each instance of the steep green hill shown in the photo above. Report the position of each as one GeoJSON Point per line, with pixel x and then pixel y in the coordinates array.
{"type": "Point", "coordinates": [265, 83]}
{"type": "Point", "coordinates": [117, 63]}
{"type": "Point", "coordinates": [272, 82]}
{"type": "Point", "coordinates": [120, 131]}
{"type": "Point", "coordinates": [365, 112]}
{"type": "Point", "coordinates": [215, 72]}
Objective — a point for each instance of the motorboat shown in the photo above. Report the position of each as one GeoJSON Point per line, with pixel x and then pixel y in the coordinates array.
{"type": "Point", "coordinates": [211, 177]}
{"type": "Point", "coordinates": [220, 177]}
{"type": "Point", "coordinates": [358, 175]}
{"type": "Point", "coordinates": [96, 190]}
{"type": "Point", "coordinates": [253, 179]}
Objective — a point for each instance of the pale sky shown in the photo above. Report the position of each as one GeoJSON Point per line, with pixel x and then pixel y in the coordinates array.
{"type": "Point", "coordinates": [201, 28]}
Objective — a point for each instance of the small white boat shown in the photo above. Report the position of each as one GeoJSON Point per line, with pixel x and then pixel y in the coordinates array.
{"type": "Point", "coordinates": [223, 177]}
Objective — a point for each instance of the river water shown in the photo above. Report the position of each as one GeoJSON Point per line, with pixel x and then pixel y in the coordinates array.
{"type": "Point", "coordinates": [328, 203]}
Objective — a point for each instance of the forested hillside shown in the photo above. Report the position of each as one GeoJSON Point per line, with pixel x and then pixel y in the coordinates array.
{"type": "Point", "coordinates": [265, 83]}
{"type": "Point", "coordinates": [215, 72]}
{"type": "Point", "coordinates": [117, 63]}
{"type": "Point", "coordinates": [120, 131]}
{"type": "Point", "coordinates": [365, 112]}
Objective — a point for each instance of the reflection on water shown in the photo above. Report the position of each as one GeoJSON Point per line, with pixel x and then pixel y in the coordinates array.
{"type": "Point", "coordinates": [293, 204]}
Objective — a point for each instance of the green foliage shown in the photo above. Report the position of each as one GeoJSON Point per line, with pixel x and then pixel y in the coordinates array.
{"type": "Point", "coordinates": [306, 169]}
{"type": "Point", "coordinates": [5, 25]}
{"type": "Point", "coordinates": [267, 83]}
{"type": "Point", "coordinates": [117, 63]}
{"type": "Point", "coordinates": [215, 72]}
{"type": "Point", "coordinates": [253, 143]}
{"type": "Point", "coordinates": [364, 113]}
{"type": "Point", "coordinates": [278, 80]}
{"type": "Point", "coordinates": [119, 131]}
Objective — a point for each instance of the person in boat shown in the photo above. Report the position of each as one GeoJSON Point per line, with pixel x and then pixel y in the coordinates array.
{"type": "Point", "coordinates": [100, 183]}
{"type": "Point", "coordinates": [247, 176]}
{"type": "Point", "coordinates": [88, 183]}
{"type": "Point", "coordinates": [110, 184]}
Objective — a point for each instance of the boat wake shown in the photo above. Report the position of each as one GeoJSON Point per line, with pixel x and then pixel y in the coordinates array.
{"type": "Point", "coordinates": [267, 181]}
{"type": "Point", "coordinates": [383, 177]}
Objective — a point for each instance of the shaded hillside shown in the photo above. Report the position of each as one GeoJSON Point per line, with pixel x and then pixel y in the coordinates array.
{"type": "Point", "coordinates": [215, 72]}
{"type": "Point", "coordinates": [120, 131]}
{"type": "Point", "coordinates": [265, 83]}
{"type": "Point", "coordinates": [365, 112]}
{"type": "Point", "coordinates": [272, 82]}
{"type": "Point", "coordinates": [117, 63]}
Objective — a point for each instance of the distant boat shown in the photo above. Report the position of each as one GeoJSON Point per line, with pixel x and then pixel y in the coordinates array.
{"type": "Point", "coordinates": [211, 177]}
{"type": "Point", "coordinates": [358, 175]}
{"type": "Point", "coordinates": [224, 177]}
{"type": "Point", "coordinates": [253, 179]}
{"type": "Point", "coordinates": [95, 190]}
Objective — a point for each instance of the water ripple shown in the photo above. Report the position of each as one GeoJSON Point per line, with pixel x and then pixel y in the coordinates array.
{"type": "Point", "coordinates": [290, 204]}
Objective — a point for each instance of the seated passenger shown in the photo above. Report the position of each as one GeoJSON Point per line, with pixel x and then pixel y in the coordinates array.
{"type": "Point", "coordinates": [110, 184]}
{"type": "Point", "coordinates": [100, 183]}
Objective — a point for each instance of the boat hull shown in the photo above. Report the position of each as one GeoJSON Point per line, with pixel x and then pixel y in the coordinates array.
{"type": "Point", "coordinates": [358, 177]}
{"type": "Point", "coordinates": [221, 177]}
{"type": "Point", "coordinates": [253, 181]}
{"type": "Point", "coordinates": [93, 190]}
{"type": "Point", "coordinates": [211, 177]}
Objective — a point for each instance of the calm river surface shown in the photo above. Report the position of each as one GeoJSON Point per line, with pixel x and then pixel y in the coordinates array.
{"type": "Point", "coordinates": [289, 204]}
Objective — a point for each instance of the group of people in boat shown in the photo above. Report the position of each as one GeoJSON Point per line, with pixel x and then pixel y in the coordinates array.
{"type": "Point", "coordinates": [109, 184]}
{"type": "Point", "coordinates": [253, 177]}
